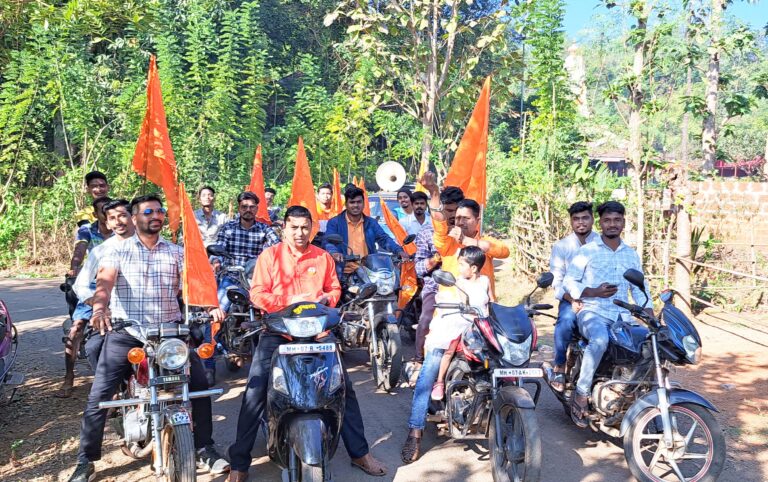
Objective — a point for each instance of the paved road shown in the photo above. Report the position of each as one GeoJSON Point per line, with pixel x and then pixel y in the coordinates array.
{"type": "Point", "coordinates": [569, 453]}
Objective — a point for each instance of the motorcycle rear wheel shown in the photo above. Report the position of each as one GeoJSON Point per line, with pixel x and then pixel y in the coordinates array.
{"type": "Point", "coordinates": [388, 364]}
{"type": "Point", "coordinates": [649, 462]}
{"type": "Point", "coordinates": [179, 453]}
{"type": "Point", "coordinates": [512, 462]}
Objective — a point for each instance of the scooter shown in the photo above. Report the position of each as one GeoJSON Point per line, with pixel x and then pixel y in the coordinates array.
{"type": "Point", "coordinates": [305, 398]}
{"type": "Point", "coordinates": [669, 433]}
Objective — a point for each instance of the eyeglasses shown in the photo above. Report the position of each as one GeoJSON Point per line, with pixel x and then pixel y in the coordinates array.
{"type": "Point", "coordinates": [149, 211]}
{"type": "Point", "coordinates": [249, 207]}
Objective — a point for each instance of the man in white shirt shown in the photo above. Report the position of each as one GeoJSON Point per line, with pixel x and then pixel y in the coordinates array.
{"type": "Point", "coordinates": [563, 252]}
{"type": "Point", "coordinates": [595, 277]}
{"type": "Point", "coordinates": [118, 220]}
{"type": "Point", "coordinates": [209, 220]}
{"type": "Point", "coordinates": [414, 222]}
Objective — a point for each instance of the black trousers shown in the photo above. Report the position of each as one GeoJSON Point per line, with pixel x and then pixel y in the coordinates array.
{"type": "Point", "coordinates": [255, 399]}
{"type": "Point", "coordinates": [112, 368]}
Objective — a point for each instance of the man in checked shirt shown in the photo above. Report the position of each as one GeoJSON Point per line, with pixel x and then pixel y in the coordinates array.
{"type": "Point", "coordinates": [594, 279]}
{"type": "Point", "coordinates": [140, 279]}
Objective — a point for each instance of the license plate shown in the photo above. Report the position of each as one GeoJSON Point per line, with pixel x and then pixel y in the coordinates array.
{"type": "Point", "coordinates": [518, 372]}
{"type": "Point", "coordinates": [180, 418]}
{"type": "Point", "coordinates": [299, 349]}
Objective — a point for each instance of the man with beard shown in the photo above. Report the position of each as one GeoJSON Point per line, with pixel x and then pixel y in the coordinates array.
{"type": "Point", "coordinates": [291, 272]}
{"type": "Point", "coordinates": [595, 278]}
{"type": "Point", "coordinates": [427, 260]}
{"type": "Point", "coordinates": [562, 253]}
{"type": "Point", "coordinates": [418, 219]}
{"type": "Point", "coordinates": [145, 273]}
{"type": "Point", "coordinates": [361, 233]}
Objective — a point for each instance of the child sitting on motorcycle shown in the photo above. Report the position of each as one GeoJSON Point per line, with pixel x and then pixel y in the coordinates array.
{"type": "Point", "coordinates": [478, 289]}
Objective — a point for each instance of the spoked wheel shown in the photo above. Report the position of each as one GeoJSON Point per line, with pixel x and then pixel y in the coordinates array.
{"type": "Point", "coordinates": [697, 453]}
{"type": "Point", "coordinates": [179, 453]}
{"type": "Point", "coordinates": [389, 362]}
{"type": "Point", "coordinates": [515, 445]}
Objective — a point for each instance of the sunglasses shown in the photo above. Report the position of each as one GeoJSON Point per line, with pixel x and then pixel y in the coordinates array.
{"type": "Point", "coordinates": [149, 211]}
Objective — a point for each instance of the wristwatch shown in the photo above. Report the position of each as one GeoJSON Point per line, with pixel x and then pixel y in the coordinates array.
{"type": "Point", "coordinates": [438, 209]}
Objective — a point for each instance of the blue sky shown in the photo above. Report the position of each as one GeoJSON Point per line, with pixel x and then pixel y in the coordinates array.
{"type": "Point", "coordinates": [579, 12]}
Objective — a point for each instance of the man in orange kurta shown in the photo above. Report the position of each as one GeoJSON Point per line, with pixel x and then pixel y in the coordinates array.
{"type": "Point", "coordinates": [466, 232]}
{"type": "Point", "coordinates": [293, 271]}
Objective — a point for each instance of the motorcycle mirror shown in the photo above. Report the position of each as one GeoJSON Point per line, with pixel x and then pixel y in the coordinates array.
{"type": "Point", "coordinates": [333, 239]}
{"type": "Point", "coordinates": [635, 277]}
{"type": "Point", "coordinates": [444, 278]}
{"type": "Point", "coordinates": [238, 296]}
{"type": "Point", "coordinates": [216, 250]}
{"type": "Point", "coordinates": [545, 280]}
{"type": "Point", "coordinates": [368, 290]}
{"type": "Point", "coordinates": [409, 239]}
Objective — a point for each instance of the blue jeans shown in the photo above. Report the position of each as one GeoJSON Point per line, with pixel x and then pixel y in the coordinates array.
{"type": "Point", "coordinates": [209, 363]}
{"type": "Point", "coordinates": [564, 331]}
{"type": "Point", "coordinates": [423, 389]}
{"type": "Point", "coordinates": [594, 327]}
{"type": "Point", "coordinates": [224, 303]}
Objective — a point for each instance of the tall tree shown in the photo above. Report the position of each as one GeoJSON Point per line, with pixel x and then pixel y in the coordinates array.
{"type": "Point", "coordinates": [709, 127]}
{"type": "Point", "coordinates": [424, 53]}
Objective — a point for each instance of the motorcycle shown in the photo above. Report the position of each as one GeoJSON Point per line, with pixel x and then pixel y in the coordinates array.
{"type": "Point", "coordinates": [409, 299]}
{"type": "Point", "coordinates": [9, 346]}
{"type": "Point", "coordinates": [241, 318]}
{"type": "Point", "coordinates": [669, 433]}
{"type": "Point", "coordinates": [305, 398]}
{"type": "Point", "coordinates": [372, 321]}
{"type": "Point", "coordinates": [154, 402]}
{"type": "Point", "coordinates": [484, 394]}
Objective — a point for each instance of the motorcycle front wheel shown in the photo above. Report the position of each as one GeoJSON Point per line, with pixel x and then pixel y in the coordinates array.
{"type": "Point", "coordinates": [698, 451]}
{"type": "Point", "coordinates": [516, 455]}
{"type": "Point", "coordinates": [179, 453]}
{"type": "Point", "coordinates": [388, 364]}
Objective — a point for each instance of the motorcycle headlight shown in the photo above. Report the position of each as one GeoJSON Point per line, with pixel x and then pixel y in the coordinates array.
{"type": "Point", "coordinates": [385, 281]}
{"type": "Point", "coordinates": [172, 354]}
{"type": "Point", "coordinates": [515, 353]}
{"type": "Point", "coordinates": [692, 349]}
{"type": "Point", "coordinates": [337, 379]}
{"type": "Point", "coordinates": [304, 327]}
{"type": "Point", "coordinates": [278, 380]}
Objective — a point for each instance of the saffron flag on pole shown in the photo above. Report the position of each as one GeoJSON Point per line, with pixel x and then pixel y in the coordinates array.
{"type": "Point", "coordinates": [153, 158]}
{"type": "Point", "coordinates": [468, 167]}
{"type": "Point", "coordinates": [257, 187]}
{"type": "Point", "coordinates": [198, 281]}
{"type": "Point", "coordinates": [337, 205]}
{"type": "Point", "coordinates": [302, 188]}
{"type": "Point", "coordinates": [409, 283]}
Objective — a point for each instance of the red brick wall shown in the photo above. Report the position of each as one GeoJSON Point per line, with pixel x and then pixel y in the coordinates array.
{"type": "Point", "coordinates": [731, 210]}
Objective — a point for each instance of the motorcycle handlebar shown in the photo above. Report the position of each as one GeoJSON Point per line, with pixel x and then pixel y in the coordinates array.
{"type": "Point", "coordinates": [542, 306]}
{"type": "Point", "coordinates": [628, 306]}
{"type": "Point", "coordinates": [352, 258]}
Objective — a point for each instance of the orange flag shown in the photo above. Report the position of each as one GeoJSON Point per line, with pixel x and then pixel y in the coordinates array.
{"type": "Point", "coordinates": [257, 187]}
{"type": "Point", "coordinates": [198, 281]}
{"type": "Point", "coordinates": [337, 205]}
{"type": "Point", "coordinates": [366, 206]}
{"type": "Point", "coordinates": [153, 158]}
{"type": "Point", "coordinates": [302, 188]}
{"type": "Point", "coordinates": [422, 170]}
{"type": "Point", "coordinates": [468, 167]}
{"type": "Point", "coordinates": [409, 283]}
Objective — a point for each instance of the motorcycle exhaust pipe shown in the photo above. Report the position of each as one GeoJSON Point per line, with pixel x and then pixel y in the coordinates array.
{"type": "Point", "coordinates": [128, 402]}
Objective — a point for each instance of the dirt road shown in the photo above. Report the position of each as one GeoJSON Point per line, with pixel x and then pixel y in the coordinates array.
{"type": "Point", "coordinates": [43, 430]}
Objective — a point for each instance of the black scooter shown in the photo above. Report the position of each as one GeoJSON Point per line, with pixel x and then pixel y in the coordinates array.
{"type": "Point", "coordinates": [305, 398]}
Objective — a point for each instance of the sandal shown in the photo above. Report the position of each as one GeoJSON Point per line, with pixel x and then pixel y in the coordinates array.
{"type": "Point", "coordinates": [557, 382]}
{"type": "Point", "coordinates": [579, 410]}
{"type": "Point", "coordinates": [411, 451]}
{"type": "Point", "coordinates": [438, 391]}
{"type": "Point", "coordinates": [66, 389]}
{"type": "Point", "coordinates": [370, 466]}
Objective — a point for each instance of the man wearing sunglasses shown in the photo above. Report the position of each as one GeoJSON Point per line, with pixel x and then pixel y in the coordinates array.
{"type": "Point", "coordinates": [140, 279]}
